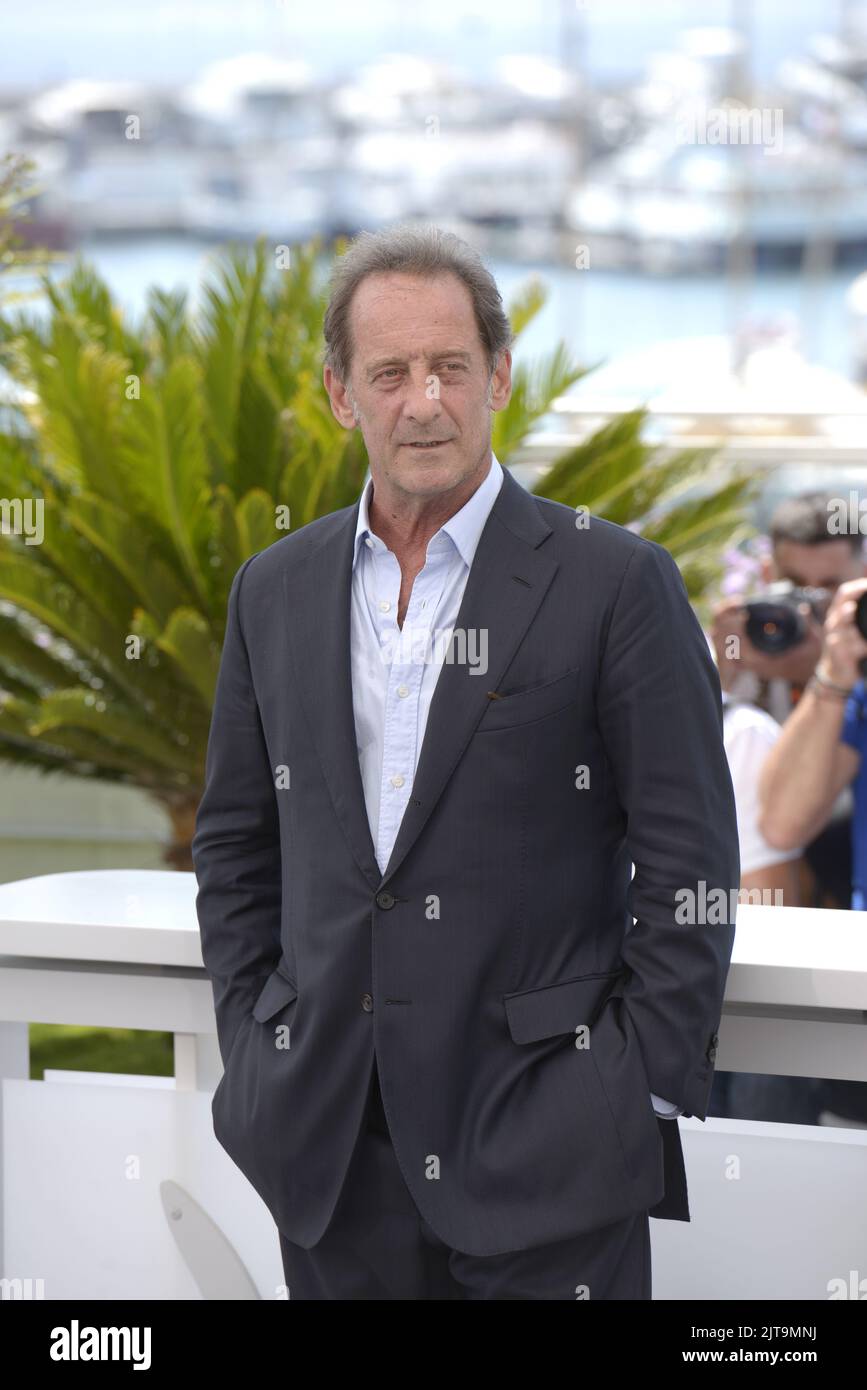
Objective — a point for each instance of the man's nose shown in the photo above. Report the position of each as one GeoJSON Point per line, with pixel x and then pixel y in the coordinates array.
{"type": "Point", "coordinates": [421, 401]}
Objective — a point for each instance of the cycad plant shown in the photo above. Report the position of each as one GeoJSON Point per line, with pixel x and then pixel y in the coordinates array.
{"type": "Point", "coordinates": [142, 462]}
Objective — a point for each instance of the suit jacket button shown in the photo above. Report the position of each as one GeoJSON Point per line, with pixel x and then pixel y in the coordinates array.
{"type": "Point", "coordinates": [385, 899]}
{"type": "Point", "coordinates": [367, 1003]}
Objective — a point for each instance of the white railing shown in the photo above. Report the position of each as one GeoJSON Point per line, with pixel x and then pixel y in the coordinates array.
{"type": "Point", "coordinates": [114, 1186]}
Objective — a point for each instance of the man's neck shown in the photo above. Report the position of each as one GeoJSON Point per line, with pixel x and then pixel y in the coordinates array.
{"type": "Point", "coordinates": [405, 523]}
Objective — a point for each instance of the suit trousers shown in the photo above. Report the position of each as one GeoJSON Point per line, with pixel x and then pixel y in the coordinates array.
{"type": "Point", "coordinates": [378, 1246]}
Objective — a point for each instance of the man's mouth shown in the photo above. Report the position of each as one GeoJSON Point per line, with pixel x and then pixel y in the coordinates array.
{"type": "Point", "coordinates": [431, 444]}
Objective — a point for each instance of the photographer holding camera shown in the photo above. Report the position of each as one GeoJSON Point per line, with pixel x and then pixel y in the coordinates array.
{"type": "Point", "coordinates": [768, 647]}
{"type": "Point", "coordinates": [821, 746]}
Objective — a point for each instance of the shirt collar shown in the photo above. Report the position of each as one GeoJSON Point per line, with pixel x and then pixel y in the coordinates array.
{"type": "Point", "coordinates": [464, 528]}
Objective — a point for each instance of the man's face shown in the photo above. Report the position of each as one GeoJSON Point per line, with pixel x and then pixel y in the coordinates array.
{"type": "Point", "coordinates": [419, 375]}
{"type": "Point", "coordinates": [822, 566]}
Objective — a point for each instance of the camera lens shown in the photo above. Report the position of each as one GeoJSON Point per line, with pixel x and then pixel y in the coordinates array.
{"type": "Point", "coordinates": [774, 627]}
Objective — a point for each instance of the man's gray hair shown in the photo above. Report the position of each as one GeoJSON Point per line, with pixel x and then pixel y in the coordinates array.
{"type": "Point", "coordinates": [426, 251]}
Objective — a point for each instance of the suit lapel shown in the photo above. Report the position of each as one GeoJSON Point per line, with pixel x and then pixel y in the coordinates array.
{"type": "Point", "coordinates": [506, 584]}
{"type": "Point", "coordinates": [317, 592]}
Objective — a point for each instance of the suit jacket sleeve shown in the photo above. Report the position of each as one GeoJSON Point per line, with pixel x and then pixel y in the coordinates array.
{"type": "Point", "coordinates": [659, 709]}
{"type": "Point", "coordinates": [236, 845]}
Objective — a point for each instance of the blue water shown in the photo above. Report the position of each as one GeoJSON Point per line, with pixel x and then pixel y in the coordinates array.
{"type": "Point", "coordinates": [599, 314]}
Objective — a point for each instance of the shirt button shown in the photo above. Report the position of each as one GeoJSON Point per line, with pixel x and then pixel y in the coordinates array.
{"type": "Point", "coordinates": [403, 690]}
{"type": "Point", "coordinates": [385, 899]}
{"type": "Point", "coordinates": [367, 1003]}
{"type": "Point", "coordinates": [384, 606]}
{"type": "Point", "coordinates": [397, 781]}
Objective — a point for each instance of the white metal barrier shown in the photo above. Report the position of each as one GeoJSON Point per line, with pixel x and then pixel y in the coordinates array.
{"type": "Point", "coordinates": [115, 1187]}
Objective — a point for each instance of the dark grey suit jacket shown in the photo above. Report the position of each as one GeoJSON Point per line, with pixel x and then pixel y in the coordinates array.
{"type": "Point", "coordinates": [504, 920]}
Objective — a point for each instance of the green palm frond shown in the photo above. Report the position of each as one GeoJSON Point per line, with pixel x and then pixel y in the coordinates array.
{"type": "Point", "coordinates": [17, 259]}
{"type": "Point", "coordinates": [674, 499]}
{"type": "Point", "coordinates": [526, 303]}
{"type": "Point", "coordinates": [534, 387]}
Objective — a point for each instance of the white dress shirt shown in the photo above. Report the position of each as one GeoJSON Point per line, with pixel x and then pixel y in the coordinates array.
{"type": "Point", "coordinates": [394, 670]}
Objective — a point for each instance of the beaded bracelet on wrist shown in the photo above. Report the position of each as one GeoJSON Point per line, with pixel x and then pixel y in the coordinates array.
{"type": "Point", "coordinates": [820, 684]}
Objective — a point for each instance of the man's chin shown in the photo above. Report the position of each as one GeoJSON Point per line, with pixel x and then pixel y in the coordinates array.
{"type": "Point", "coordinates": [438, 468]}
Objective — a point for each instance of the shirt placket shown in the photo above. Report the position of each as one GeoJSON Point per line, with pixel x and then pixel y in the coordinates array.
{"type": "Point", "coordinates": [407, 663]}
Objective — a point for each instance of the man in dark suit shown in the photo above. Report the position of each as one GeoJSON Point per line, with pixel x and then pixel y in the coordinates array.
{"type": "Point", "coordinates": [449, 720]}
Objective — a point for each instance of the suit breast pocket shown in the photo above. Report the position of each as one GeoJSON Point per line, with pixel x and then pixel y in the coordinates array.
{"type": "Point", "coordinates": [509, 709]}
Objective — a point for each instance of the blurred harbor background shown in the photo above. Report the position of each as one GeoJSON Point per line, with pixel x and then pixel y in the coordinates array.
{"type": "Point", "coordinates": [159, 131]}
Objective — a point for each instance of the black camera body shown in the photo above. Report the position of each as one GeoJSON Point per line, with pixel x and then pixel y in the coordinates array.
{"type": "Point", "coordinates": [774, 623]}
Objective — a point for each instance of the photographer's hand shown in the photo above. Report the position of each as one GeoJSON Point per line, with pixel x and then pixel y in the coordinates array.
{"type": "Point", "coordinates": [727, 624]}
{"type": "Point", "coordinates": [809, 764]}
{"type": "Point", "coordinates": [843, 646]}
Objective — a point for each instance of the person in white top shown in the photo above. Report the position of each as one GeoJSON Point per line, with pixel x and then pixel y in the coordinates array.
{"type": "Point", "coordinates": [749, 733]}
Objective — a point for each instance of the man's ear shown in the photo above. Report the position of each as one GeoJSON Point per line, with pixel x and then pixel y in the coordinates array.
{"type": "Point", "coordinates": [339, 398]}
{"type": "Point", "coordinates": [501, 381]}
